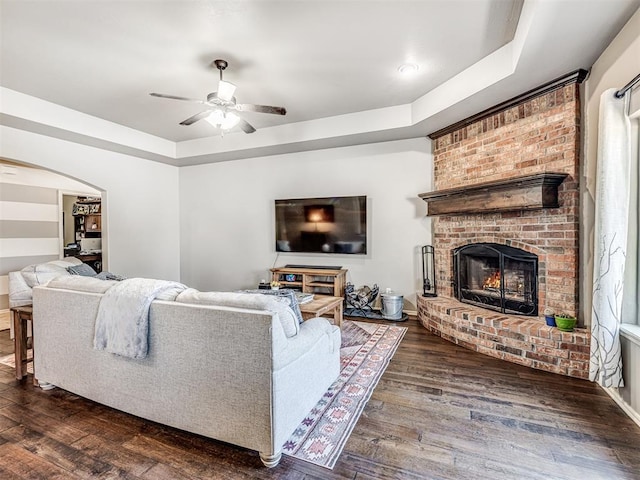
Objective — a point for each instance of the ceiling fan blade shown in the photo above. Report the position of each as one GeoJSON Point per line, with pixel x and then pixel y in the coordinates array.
{"type": "Point", "coordinates": [247, 107]}
{"type": "Point", "coordinates": [174, 97]}
{"type": "Point", "coordinates": [196, 117]}
{"type": "Point", "coordinates": [246, 126]}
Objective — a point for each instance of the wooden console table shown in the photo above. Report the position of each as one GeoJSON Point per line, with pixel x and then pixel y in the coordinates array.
{"type": "Point", "coordinates": [322, 304]}
{"type": "Point", "coordinates": [325, 281]}
{"type": "Point", "coordinates": [21, 315]}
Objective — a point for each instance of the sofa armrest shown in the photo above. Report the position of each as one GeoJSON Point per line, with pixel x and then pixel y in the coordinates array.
{"type": "Point", "coordinates": [311, 331]}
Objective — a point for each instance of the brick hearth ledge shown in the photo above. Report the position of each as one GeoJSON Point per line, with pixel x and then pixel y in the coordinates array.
{"type": "Point", "coordinates": [524, 340]}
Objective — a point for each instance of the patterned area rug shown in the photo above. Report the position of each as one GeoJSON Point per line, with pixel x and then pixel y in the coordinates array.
{"type": "Point", "coordinates": [10, 361]}
{"type": "Point", "coordinates": [366, 351]}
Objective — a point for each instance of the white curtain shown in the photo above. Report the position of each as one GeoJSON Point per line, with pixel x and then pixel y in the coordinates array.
{"type": "Point", "coordinates": [610, 238]}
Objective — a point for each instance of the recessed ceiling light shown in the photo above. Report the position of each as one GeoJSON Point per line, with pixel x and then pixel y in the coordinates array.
{"type": "Point", "coordinates": [408, 68]}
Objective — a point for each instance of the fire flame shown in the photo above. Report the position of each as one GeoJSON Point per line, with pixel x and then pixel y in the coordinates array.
{"type": "Point", "coordinates": [492, 281]}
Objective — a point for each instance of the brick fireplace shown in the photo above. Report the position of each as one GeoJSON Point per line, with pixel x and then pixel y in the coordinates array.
{"type": "Point", "coordinates": [509, 177]}
{"type": "Point", "coordinates": [496, 277]}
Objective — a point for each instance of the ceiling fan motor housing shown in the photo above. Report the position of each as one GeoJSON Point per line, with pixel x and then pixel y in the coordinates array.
{"type": "Point", "coordinates": [220, 64]}
{"type": "Point", "coordinates": [213, 98]}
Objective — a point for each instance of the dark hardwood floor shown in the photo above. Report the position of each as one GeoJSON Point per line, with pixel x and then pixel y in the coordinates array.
{"type": "Point", "coordinates": [439, 412]}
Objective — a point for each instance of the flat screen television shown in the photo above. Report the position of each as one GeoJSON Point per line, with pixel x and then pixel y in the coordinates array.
{"type": "Point", "coordinates": [322, 225]}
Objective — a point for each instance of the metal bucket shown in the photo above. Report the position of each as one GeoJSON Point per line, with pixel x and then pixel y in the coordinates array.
{"type": "Point", "coordinates": [391, 306]}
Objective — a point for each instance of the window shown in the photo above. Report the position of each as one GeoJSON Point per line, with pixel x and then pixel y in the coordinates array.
{"type": "Point", "coordinates": [631, 294]}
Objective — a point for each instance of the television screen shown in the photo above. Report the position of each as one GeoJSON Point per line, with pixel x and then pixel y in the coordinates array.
{"type": "Point", "coordinates": [322, 225]}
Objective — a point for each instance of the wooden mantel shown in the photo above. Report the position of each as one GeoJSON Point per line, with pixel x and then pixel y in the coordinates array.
{"type": "Point", "coordinates": [528, 192]}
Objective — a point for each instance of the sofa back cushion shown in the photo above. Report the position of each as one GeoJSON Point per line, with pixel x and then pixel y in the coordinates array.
{"type": "Point", "coordinates": [249, 301]}
{"type": "Point", "coordinates": [81, 283]}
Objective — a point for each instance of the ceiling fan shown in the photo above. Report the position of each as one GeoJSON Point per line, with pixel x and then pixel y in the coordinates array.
{"type": "Point", "coordinates": [222, 106]}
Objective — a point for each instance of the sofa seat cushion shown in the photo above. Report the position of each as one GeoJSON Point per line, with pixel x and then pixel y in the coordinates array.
{"type": "Point", "coordinates": [250, 301]}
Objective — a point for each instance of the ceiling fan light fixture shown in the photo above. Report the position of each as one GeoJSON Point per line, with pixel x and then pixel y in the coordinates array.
{"type": "Point", "coordinates": [223, 120]}
{"type": "Point", "coordinates": [226, 90]}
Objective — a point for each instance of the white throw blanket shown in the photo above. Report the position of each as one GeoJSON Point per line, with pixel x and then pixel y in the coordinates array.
{"type": "Point", "coordinates": [122, 324]}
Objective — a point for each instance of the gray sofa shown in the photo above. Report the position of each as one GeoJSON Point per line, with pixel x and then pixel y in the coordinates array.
{"type": "Point", "coordinates": [233, 367]}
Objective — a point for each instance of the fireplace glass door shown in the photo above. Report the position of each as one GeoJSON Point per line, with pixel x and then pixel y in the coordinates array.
{"type": "Point", "coordinates": [496, 277]}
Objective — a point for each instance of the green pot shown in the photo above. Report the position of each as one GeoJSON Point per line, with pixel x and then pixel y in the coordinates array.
{"type": "Point", "coordinates": [565, 324]}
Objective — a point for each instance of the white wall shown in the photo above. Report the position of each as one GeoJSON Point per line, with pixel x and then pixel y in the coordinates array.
{"type": "Point", "coordinates": [617, 65]}
{"type": "Point", "coordinates": [141, 233]}
{"type": "Point", "coordinates": [227, 214]}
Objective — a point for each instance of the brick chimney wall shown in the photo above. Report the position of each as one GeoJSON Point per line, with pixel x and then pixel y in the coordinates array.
{"type": "Point", "coordinates": [541, 134]}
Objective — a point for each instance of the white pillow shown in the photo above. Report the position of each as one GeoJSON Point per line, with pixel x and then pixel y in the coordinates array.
{"type": "Point", "coordinates": [250, 301]}
{"type": "Point", "coordinates": [43, 272]}
{"type": "Point", "coordinates": [21, 283]}
{"type": "Point", "coordinates": [66, 262]}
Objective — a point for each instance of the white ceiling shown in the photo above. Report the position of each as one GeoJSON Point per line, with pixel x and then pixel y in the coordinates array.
{"type": "Point", "coordinates": [318, 59]}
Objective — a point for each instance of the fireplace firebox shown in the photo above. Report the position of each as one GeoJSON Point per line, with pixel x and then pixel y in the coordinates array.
{"type": "Point", "coordinates": [497, 277]}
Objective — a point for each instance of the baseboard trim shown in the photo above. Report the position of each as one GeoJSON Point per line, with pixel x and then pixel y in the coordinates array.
{"type": "Point", "coordinates": [631, 413]}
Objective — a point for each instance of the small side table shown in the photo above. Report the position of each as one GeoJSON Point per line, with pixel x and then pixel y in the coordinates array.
{"type": "Point", "coordinates": [322, 304]}
{"type": "Point", "coordinates": [20, 317]}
